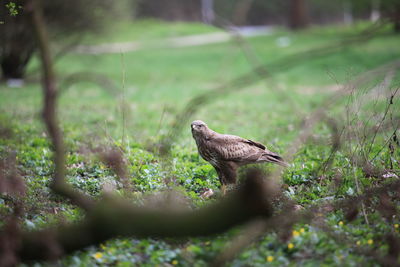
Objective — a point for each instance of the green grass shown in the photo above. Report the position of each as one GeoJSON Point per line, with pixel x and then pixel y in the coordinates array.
{"type": "Point", "coordinates": [154, 84]}
{"type": "Point", "coordinates": [145, 30]}
{"type": "Point", "coordinates": [160, 81]}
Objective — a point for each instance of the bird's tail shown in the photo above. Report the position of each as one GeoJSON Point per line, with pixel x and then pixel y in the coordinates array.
{"type": "Point", "coordinates": [273, 158]}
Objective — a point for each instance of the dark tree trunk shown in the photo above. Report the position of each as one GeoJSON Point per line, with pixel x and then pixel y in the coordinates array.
{"type": "Point", "coordinates": [298, 15]}
{"type": "Point", "coordinates": [16, 43]}
{"type": "Point", "coordinates": [171, 10]}
{"type": "Point", "coordinates": [396, 26]}
{"type": "Point", "coordinates": [241, 11]}
{"type": "Point", "coordinates": [396, 18]}
{"type": "Point", "coordinates": [13, 64]}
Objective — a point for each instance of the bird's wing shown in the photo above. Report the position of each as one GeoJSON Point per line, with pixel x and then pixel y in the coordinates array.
{"type": "Point", "coordinates": [251, 142]}
{"type": "Point", "coordinates": [234, 148]}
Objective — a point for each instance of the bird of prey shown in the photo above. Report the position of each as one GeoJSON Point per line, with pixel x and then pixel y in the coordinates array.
{"type": "Point", "coordinates": [226, 153]}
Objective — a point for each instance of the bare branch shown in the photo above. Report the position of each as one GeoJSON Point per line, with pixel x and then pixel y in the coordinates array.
{"type": "Point", "coordinates": [49, 112]}
{"type": "Point", "coordinates": [114, 217]}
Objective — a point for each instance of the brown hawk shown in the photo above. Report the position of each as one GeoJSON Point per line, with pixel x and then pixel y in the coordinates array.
{"type": "Point", "coordinates": [226, 153]}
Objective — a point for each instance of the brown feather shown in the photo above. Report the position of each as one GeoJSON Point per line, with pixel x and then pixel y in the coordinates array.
{"type": "Point", "coordinates": [256, 144]}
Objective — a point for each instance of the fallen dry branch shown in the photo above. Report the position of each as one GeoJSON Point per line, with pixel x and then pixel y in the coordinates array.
{"type": "Point", "coordinates": [113, 217]}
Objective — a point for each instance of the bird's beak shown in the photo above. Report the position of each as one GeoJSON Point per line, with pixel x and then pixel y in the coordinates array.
{"type": "Point", "coordinates": [193, 127]}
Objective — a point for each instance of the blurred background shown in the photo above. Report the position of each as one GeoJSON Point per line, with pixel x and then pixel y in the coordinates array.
{"type": "Point", "coordinates": [171, 51]}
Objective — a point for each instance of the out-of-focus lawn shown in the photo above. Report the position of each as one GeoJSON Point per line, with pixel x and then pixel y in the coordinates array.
{"type": "Point", "coordinates": [158, 82]}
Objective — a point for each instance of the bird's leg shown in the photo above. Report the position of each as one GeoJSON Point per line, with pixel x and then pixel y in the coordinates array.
{"type": "Point", "coordinates": [221, 180]}
{"type": "Point", "coordinates": [223, 189]}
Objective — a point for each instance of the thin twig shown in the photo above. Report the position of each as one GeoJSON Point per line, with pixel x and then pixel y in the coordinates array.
{"type": "Point", "coordinates": [383, 119]}
{"type": "Point", "coordinates": [359, 192]}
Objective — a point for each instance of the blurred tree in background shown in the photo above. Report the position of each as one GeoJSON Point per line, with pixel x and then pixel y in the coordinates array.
{"type": "Point", "coordinates": [188, 10]}
{"type": "Point", "coordinates": [64, 18]}
{"type": "Point", "coordinates": [293, 13]}
{"type": "Point", "coordinates": [298, 14]}
{"type": "Point", "coordinates": [72, 18]}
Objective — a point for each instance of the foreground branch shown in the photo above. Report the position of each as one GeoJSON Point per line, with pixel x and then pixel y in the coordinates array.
{"type": "Point", "coordinates": [115, 218]}
{"type": "Point", "coordinates": [49, 112]}
{"type": "Point", "coordinates": [284, 221]}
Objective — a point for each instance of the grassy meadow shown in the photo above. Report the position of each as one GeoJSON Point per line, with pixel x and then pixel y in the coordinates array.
{"type": "Point", "coordinates": [153, 84]}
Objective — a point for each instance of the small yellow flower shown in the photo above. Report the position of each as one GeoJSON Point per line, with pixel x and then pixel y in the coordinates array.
{"type": "Point", "coordinates": [98, 255]}
{"type": "Point", "coordinates": [174, 262]}
{"type": "Point", "coordinates": [290, 246]}
{"type": "Point", "coordinates": [396, 225]}
{"type": "Point", "coordinates": [340, 223]}
{"type": "Point", "coordinates": [370, 241]}
{"type": "Point", "coordinates": [295, 233]}
{"type": "Point", "coordinates": [358, 243]}
{"type": "Point", "coordinates": [270, 258]}
{"type": "Point", "coordinates": [302, 230]}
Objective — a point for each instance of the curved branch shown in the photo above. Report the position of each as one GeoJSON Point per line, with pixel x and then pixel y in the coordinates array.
{"type": "Point", "coordinates": [49, 112]}
{"type": "Point", "coordinates": [115, 217]}
{"type": "Point", "coordinates": [91, 77]}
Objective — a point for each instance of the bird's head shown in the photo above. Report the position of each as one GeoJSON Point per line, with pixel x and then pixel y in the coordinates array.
{"type": "Point", "coordinates": [199, 128]}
